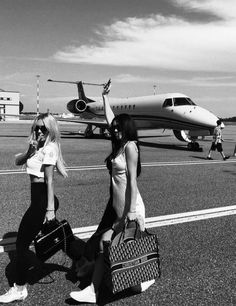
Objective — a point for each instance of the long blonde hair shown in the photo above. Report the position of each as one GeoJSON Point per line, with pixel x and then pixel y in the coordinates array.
{"type": "Point", "coordinates": [53, 136]}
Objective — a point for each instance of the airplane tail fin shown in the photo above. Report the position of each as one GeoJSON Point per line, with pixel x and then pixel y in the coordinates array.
{"type": "Point", "coordinates": [81, 93]}
{"type": "Point", "coordinates": [80, 87]}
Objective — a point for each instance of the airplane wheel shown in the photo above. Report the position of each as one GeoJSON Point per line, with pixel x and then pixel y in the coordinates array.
{"type": "Point", "coordinates": [196, 146]}
{"type": "Point", "coordinates": [193, 146]}
{"type": "Point", "coordinates": [88, 133]}
{"type": "Point", "coordinates": [190, 146]}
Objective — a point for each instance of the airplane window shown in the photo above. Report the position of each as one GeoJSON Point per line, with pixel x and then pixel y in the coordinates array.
{"type": "Point", "coordinates": [183, 101]}
{"type": "Point", "coordinates": [190, 101]}
{"type": "Point", "coordinates": [167, 102]}
{"type": "Point", "coordinates": [129, 106]}
{"type": "Point", "coordinates": [121, 107]}
{"type": "Point", "coordinates": [133, 106]}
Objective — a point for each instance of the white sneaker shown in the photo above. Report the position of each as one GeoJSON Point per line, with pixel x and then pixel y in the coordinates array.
{"type": "Point", "coordinates": [147, 284]}
{"type": "Point", "coordinates": [142, 286]}
{"type": "Point", "coordinates": [14, 294]}
{"type": "Point", "coordinates": [86, 295]}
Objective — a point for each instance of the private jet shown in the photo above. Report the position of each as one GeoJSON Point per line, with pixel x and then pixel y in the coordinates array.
{"type": "Point", "coordinates": [173, 111]}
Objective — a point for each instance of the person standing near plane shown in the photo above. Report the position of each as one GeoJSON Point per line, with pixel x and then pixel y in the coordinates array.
{"type": "Point", "coordinates": [217, 141]}
{"type": "Point", "coordinates": [124, 164]}
{"type": "Point", "coordinates": [42, 157]}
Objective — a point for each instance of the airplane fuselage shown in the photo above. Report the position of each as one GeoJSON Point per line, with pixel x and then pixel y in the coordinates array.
{"type": "Point", "coordinates": [174, 111]}
{"type": "Point", "coordinates": [168, 111]}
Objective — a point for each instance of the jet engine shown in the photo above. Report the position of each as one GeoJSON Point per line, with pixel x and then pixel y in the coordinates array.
{"type": "Point", "coordinates": [181, 135]}
{"type": "Point", "coordinates": [193, 145]}
{"type": "Point", "coordinates": [77, 106]}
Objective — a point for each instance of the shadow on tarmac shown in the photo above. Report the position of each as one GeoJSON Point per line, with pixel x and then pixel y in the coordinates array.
{"type": "Point", "coordinates": [198, 157]}
{"type": "Point", "coordinates": [14, 136]}
{"type": "Point", "coordinates": [163, 146]}
{"type": "Point", "coordinates": [38, 272]}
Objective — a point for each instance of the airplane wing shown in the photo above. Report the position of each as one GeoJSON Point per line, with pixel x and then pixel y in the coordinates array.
{"type": "Point", "coordinates": [97, 123]}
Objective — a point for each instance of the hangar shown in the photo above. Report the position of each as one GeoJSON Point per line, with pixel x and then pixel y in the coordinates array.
{"type": "Point", "coordinates": [9, 104]}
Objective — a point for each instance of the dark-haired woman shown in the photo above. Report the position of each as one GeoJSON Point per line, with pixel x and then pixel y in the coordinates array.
{"type": "Point", "coordinates": [41, 158]}
{"type": "Point", "coordinates": [124, 164]}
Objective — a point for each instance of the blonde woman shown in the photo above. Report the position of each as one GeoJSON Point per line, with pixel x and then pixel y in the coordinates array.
{"type": "Point", "coordinates": [41, 158]}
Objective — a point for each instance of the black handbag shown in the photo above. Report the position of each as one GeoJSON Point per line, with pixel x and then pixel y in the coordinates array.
{"type": "Point", "coordinates": [131, 258]}
{"type": "Point", "coordinates": [54, 236]}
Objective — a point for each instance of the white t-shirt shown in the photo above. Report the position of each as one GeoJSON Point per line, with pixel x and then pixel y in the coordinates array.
{"type": "Point", "coordinates": [46, 155]}
{"type": "Point", "coordinates": [217, 134]}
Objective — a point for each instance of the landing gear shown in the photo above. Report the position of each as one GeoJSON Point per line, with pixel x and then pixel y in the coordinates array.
{"type": "Point", "coordinates": [88, 133]}
{"type": "Point", "coordinates": [194, 146]}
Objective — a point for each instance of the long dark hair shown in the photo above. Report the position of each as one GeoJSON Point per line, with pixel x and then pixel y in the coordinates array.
{"type": "Point", "coordinates": [128, 130]}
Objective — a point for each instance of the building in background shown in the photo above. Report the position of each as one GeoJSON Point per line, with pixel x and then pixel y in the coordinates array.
{"type": "Point", "coordinates": [9, 104]}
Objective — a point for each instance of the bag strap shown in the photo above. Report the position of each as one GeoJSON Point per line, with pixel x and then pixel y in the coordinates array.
{"type": "Point", "coordinates": [135, 232]}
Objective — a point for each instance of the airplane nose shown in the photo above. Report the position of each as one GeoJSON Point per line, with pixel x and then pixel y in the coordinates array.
{"type": "Point", "coordinates": [203, 117]}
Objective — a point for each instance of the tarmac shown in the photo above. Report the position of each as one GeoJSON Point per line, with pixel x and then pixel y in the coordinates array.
{"type": "Point", "coordinates": [190, 205]}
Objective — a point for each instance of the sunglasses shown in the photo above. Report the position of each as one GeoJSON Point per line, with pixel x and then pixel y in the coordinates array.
{"type": "Point", "coordinates": [42, 128]}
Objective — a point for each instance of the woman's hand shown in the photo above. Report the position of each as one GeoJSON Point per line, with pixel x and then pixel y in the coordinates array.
{"type": "Point", "coordinates": [50, 215]}
{"type": "Point", "coordinates": [107, 88]}
{"type": "Point", "coordinates": [133, 216]}
{"type": "Point", "coordinates": [32, 148]}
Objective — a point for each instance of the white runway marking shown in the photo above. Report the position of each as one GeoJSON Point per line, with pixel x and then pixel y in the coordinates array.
{"type": "Point", "coordinates": [150, 164]}
{"type": "Point", "coordinates": [86, 232]}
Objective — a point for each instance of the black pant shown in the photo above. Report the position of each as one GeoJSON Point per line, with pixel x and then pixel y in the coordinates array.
{"type": "Point", "coordinates": [30, 226]}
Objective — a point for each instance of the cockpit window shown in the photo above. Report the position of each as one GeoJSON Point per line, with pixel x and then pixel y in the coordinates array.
{"type": "Point", "coordinates": [183, 101]}
{"type": "Point", "coordinates": [167, 102]}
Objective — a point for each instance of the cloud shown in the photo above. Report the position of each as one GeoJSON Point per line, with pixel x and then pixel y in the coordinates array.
{"type": "Point", "coordinates": [207, 81]}
{"type": "Point", "coordinates": [129, 78]}
{"type": "Point", "coordinates": [161, 42]}
{"type": "Point", "coordinates": [223, 9]}
{"type": "Point", "coordinates": [56, 100]}
{"type": "Point", "coordinates": [17, 78]}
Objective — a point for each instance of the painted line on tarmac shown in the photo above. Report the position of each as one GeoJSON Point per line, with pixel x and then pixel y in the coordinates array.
{"type": "Point", "coordinates": [8, 244]}
{"type": "Point", "coordinates": [150, 164]}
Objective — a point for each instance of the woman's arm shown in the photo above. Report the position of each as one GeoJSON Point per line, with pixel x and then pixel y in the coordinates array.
{"type": "Point", "coordinates": [49, 179]}
{"type": "Point", "coordinates": [107, 108]}
{"type": "Point", "coordinates": [132, 162]}
{"type": "Point", "coordinates": [21, 158]}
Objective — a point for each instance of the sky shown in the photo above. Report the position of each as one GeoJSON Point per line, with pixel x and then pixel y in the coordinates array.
{"type": "Point", "coordinates": [170, 45]}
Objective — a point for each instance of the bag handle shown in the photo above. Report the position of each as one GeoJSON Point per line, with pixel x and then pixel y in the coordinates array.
{"type": "Point", "coordinates": [128, 234]}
